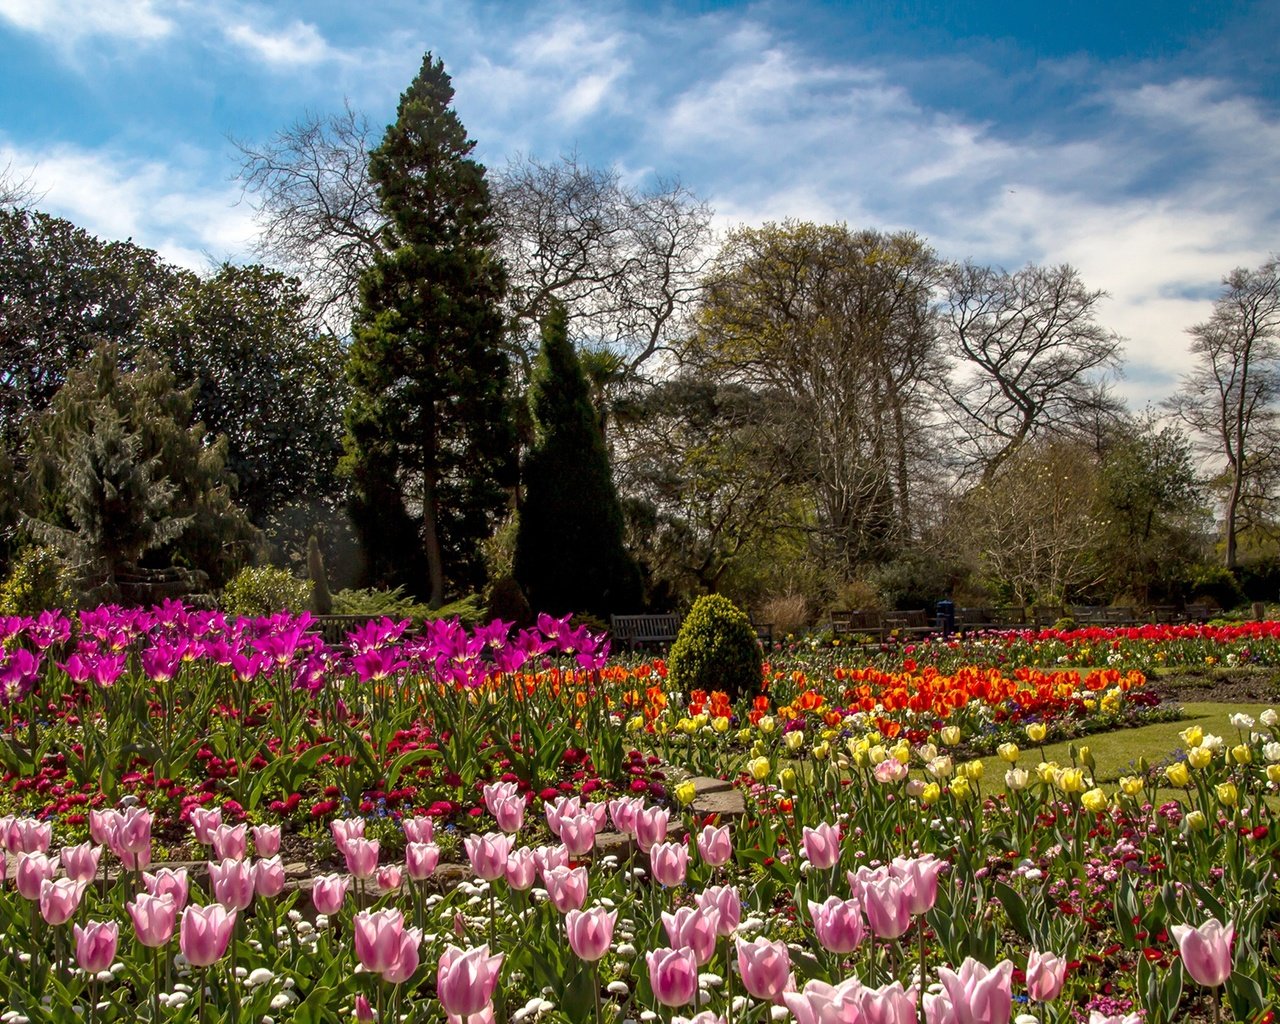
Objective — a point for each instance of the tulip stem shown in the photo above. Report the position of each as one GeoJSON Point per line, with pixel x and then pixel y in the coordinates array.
{"type": "Point", "coordinates": [923, 985]}
{"type": "Point", "coordinates": [595, 977]}
{"type": "Point", "coordinates": [155, 984]}
{"type": "Point", "coordinates": [204, 984]}
{"type": "Point", "coordinates": [1216, 998]}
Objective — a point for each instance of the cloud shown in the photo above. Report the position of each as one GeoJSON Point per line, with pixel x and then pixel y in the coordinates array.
{"type": "Point", "coordinates": [63, 21]}
{"type": "Point", "coordinates": [297, 44]}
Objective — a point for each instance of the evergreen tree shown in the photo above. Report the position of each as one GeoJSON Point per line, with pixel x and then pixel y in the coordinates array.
{"type": "Point", "coordinates": [569, 551]}
{"type": "Point", "coordinates": [430, 444]}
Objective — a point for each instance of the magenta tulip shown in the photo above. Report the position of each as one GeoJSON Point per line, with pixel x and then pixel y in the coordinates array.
{"type": "Point", "coordinates": [488, 854]}
{"type": "Point", "coordinates": [420, 860]}
{"type": "Point", "coordinates": [765, 968]}
{"type": "Point", "coordinates": [268, 877]}
{"type": "Point", "coordinates": [204, 933]}
{"type": "Point", "coordinates": [714, 846]}
{"type": "Point", "coordinates": [1206, 951]}
{"type": "Point", "coordinates": [329, 892]}
{"type": "Point", "coordinates": [724, 899]}
{"type": "Point", "coordinates": [32, 871]}
{"type": "Point", "coordinates": [231, 843]}
{"type": "Point", "coordinates": [822, 846]}
{"type": "Point", "coordinates": [96, 945]}
{"type": "Point", "coordinates": [837, 924]}
{"type": "Point", "coordinates": [669, 863]}
{"type": "Point", "coordinates": [169, 882]}
{"type": "Point", "coordinates": [673, 975]}
{"type": "Point", "coordinates": [567, 888]}
{"type": "Point", "coordinates": [60, 899]}
{"type": "Point", "coordinates": [695, 928]}
{"type": "Point", "coordinates": [590, 932]}
{"type": "Point", "coordinates": [266, 840]}
{"type": "Point", "coordinates": [1045, 976]}
{"type": "Point", "coordinates": [978, 994]}
{"type": "Point", "coordinates": [361, 856]}
{"type": "Point", "coordinates": [81, 862]}
{"type": "Point", "coordinates": [232, 882]}
{"type": "Point", "coordinates": [465, 980]}
{"type": "Point", "coordinates": [154, 918]}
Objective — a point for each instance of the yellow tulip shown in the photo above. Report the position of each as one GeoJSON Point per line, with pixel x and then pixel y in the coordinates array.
{"type": "Point", "coordinates": [972, 770]}
{"type": "Point", "coordinates": [1008, 752]}
{"type": "Point", "coordinates": [1228, 796]}
{"type": "Point", "coordinates": [1094, 800]}
{"type": "Point", "coordinates": [1069, 780]}
{"type": "Point", "coordinates": [1192, 736]}
{"type": "Point", "coordinates": [877, 754]}
{"type": "Point", "coordinates": [759, 768]}
{"type": "Point", "coordinates": [1177, 774]}
{"type": "Point", "coordinates": [960, 788]}
{"type": "Point", "coordinates": [767, 724]}
{"type": "Point", "coordinates": [931, 794]}
{"type": "Point", "coordinates": [1131, 785]}
{"type": "Point", "coordinates": [950, 735]}
{"type": "Point", "coordinates": [686, 792]}
{"type": "Point", "coordinates": [901, 752]}
{"type": "Point", "coordinates": [1196, 821]}
{"type": "Point", "coordinates": [1273, 774]}
{"type": "Point", "coordinates": [822, 751]}
{"type": "Point", "coordinates": [720, 724]}
{"type": "Point", "coordinates": [1199, 757]}
{"type": "Point", "coordinates": [787, 779]}
{"type": "Point", "coordinates": [795, 740]}
{"type": "Point", "coordinates": [1241, 753]}
{"type": "Point", "coordinates": [1036, 732]}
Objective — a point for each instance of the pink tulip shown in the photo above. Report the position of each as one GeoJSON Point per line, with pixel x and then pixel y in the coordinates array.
{"type": "Point", "coordinates": [590, 932]}
{"type": "Point", "coordinates": [33, 870]}
{"type": "Point", "coordinates": [765, 968]}
{"type": "Point", "coordinates": [714, 846]}
{"type": "Point", "coordinates": [1045, 975]}
{"type": "Point", "coordinates": [168, 882]}
{"type": "Point", "coordinates": [100, 824]}
{"type": "Point", "coordinates": [623, 813]}
{"type": "Point", "coordinates": [724, 899]}
{"type": "Point", "coordinates": [60, 899]}
{"type": "Point", "coordinates": [886, 905]}
{"type": "Point", "coordinates": [921, 875]}
{"type": "Point", "coordinates": [204, 933]}
{"type": "Point", "coordinates": [232, 882]}
{"type": "Point", "coordinates": [669, 863]}
{"type": "Point", "coordinates": [96, 945]}
{"type": "Point", "coordinates": [651, 827]}
{"type": "Point", "coordinates": [465, 980]}
{"type": "Point", "coordinates": [673, 975]}
{"type": "Point", "coordinates": [548, 857]}
{"type": "Point", "coordinates": [361, 855]}
{"type": "Point", "coordinates": [859, 879]}
{"type": "Point", "coordinates": [377, 938]}
{"type": "Point", "coordinates": [567, 888]}
{"type": "Point", "coordinates": [344, 830]}
{"type": "Point", "coordinates": [557, 810]}
{"type": "Point", "coordinates": [1206, 951]}
{"type": "Point", "coordinates": [364, 1010]}
{"type": "Point", "coordinates": [407, 958]}
{"type": "Point", "coordinates": [388, 878]}
{"type": "Point", "coordinates": [837, 924]}
{"type": "Point", "coordinates": [889, 771]}
{"type": "Point", "coordinates": [578, 834]}
{"type": "Point", "coordinates": [203, 822]}
{"type": "Point", "coordinates": [418, 830]}
{"type": "Point", "coordinates": [81, 862]}
{"type": "Point", "coordinates": [821, 1003]}
{"type": "Point", "coordinates": [266, 840]}
{"type": "Point", "coordinates": [694, 928]}
{"type": "Point", "coordinates": [231, 843]}
{"type": "Point", "coordinates": [494, 792]}
{"type": "Point", "coordinates": [27, 835]}
{"type": "Point", "coordinates": [977, 994]}
{"type": "Point", "coordinates": [488, 854]}
{"type": "Point", "coordinates": [822, 846]}
{"type": "Point", "coordinates": [154, 918]}
{"type": "Point", "coordinates": [329, 892]}
{"type": "Point", "coordinates": [889, 1004]}
{"type": "Point", "coordinates": [508, 812]}
{"type": "Point", "coordinates": [522, 869]}
{"type": "Point", "coordinates": [420, 860]}
{"type": "Point", "coordinates": [129, 838]}
{"type": "Point", "coordinates": [268, 877]}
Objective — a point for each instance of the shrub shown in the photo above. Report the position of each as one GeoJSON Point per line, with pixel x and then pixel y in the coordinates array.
{"type": "Point", "coordinates": [1216, 584]}
{"type": "Point", "coordinates": [716, 649]}
{"type": "Point", "coordinates": [787, 613]}
{"type": "Point", "coordinates": [469, 610]}
{"type": "Point", "coordinates": [265, 590]}
{"type": "Point", "coordinates": [507, 602]}
{"type": "Point", "coordinates": [394, 604]}
{"type": "Point", "coordinates": [39, 580]}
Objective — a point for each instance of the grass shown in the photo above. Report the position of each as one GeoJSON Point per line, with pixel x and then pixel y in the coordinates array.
{"type": "Point", "coordinates": [1117, 753]}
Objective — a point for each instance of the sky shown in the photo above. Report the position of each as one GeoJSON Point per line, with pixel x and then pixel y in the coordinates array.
{"type": "Point", "coordinates": [1135, 139]}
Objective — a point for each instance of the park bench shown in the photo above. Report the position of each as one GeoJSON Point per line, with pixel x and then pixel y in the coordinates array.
{"type": "Point", "coordinates": [970, 619]}
{"type": "Point", "coordinates": [334, 628]}
{"type": "Point", "coordinates": [635, 631]}
{"type": "Point", "coordinates": [1163, 614]}
{"type": "Point", "coordinates": [1104, 615]}
{"type": "Point", "coordinates": [1046, 617]}
{"type": "Point", "coordinates": [1198, 613]}
{"type": "Point", "coordinates": [906, 624]}
{"type": "Point", "coordinates": [856, 621]}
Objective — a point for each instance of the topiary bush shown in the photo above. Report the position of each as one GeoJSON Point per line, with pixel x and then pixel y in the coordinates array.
{"type": "Point", "coordinates": [265, 590]}
{"type": "Point", "coordinates": [39, 580]}
{"type": "Point", "coordinates": [716, 649]}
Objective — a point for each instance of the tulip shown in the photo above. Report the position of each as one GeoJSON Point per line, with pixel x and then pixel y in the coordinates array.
{"type": "Point", "coordinates": [888, 906]}
{"type": "Point", "coordinates": [203, 823]}
{"type": "Point", "coordinates": [231, 843]}
{"type": "Point", "coordinates": [377, 937]}
{"type": "Point", "coordinates": [59, 900]}
{"type": "Point", "coordinates": [1045, 975]}
{"type": "Point", "coordinates": [578, 834]}
{"type": "Point", "coordinates": [27, 835]}
{"type": "Point", "coordinates": [418, 830]}
{"type": "Point", "coordinates": [821, 1003]}
{"type": "Point", "coordinates": [590, 932]}
{"type": "Point", "coordinates": [32, 871]}
{"type": "Point", "coordinates": [407, 958]}
{"type": "Point", "coordinates": [669, 863]}
{"type": "Point", "coordinates": [673, 975]}
{"type": "Point", "coordinates": [651, 827]}
{"type": "Point", "coordinates": [266, 840]}
{"type": "Point", "coordinates": [715, 846]}
{"type": "Point", "coordinates": [488, 854]}
{"type": "Point", "coordinates": [96, 945]}
{"type": "Point", "coordinates": [978, 994]}
{"type": "Point", "coordinates": [1206, 951]}
{"type": "Point", "coordinates": [822, 845]}
{"type": "Point", "coordinates": [388, 878]}
{"type": "Point", "coordinates": [81, 862]}
{"type": "Point", "coordinates": [232, 882]}
{"type": "Point", "coordinates": [465, 980]}
{"type": "Point", "coordinates": [154, 918]}
{"type": "Point", "coordinates": [100, 825]}
{"type": "Point", "coordinates": [724, 899]}
{"type": "Point", "coordinates": [329, 892]}
{"type": "Point", "coordinates": [129, 838]}
{"type": "Point", "coordinates": [837, 924]}
{"type": "Point", "coordinates": [567, 888]}
{"type": "Point", "coordinates": [921, 877]}
{"type": "Point", "coordinates": [556, 811]}
{"type": "Point", "coordinates": [548, 857]}
{"type": "Point", "coordinates": [522, 869]}
{"type": "Point", "coordinates": [204, 933]}
{"type": "Point", "coordinates": [168, 882]}
{"type": "Point", "coordinates": [623, 812]}
{"type": "Point", "coordinates": [420, 860]}
{"type": "Point", "coordinates": [495, 792]}
{"type": "Point", "coordinates": [364, 1010]}
{"type": "Point", "coordinates": [361, 856]}
{"type": "Point", "coordinates": [508, 812]}
{"type": "Point", "coordinates": [600, 811]}
{"type": "Point", "coordinates": [1115, 1018]}
{"type": "Point", "coordinates": [344, 830]}
{"type": "Point", "coordinates": [268, 877]}
{"type": "Point", "coordinates": [694, 928]}
{"type": "Point", "coordinates": [889, 1004]}
{"type": "Point", "coordinates": [765, 968]}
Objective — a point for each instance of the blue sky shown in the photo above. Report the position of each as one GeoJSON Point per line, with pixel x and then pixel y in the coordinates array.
{"type": "Point", "coordinates": [1136, 140]}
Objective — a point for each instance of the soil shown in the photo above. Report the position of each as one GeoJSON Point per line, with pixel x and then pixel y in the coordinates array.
{"type": "Point", "coordinates": [1222, 685]}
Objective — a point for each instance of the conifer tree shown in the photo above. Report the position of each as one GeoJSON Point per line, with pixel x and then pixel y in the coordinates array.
{"type": "Point", "coordinates": [569, 548]}
{"type": "Point", "coordinates": [430, 445]}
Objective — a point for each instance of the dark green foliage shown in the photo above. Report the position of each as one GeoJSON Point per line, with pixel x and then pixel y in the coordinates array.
{"type": "Point", "coordinates": [569, 549]}
{"type": "Point", "coordinates": [508, 603]}
{"type": "Point", "coordinates": [265, 590]}
{"type": "Point", "coordinates": [1215, 584]}
{"type": "Point", "coordinates": [430, 447]}
{"type": "Point", "coordinates": [716, 650]}
{"type": "Point", "coordinates": [39, 580]}
{"type": "Point", "coordinates": [394, 604]}
{"type": "Point", "coordinates": [321, 598]}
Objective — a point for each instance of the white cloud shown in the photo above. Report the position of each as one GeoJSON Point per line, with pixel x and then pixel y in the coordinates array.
{"type": "Point", "coordinates": [297, 44]}
{"type": "Point", "coordinates": [63, 21]}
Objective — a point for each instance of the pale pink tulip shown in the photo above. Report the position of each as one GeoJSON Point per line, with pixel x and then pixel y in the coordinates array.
{"type": "Point", "coordinates": [548, 857]}
{"type": "Point", "coordinates": [885, 902]}
{"type": "Point", "coordinates": [81, 862]}
{"type": "Point", "coordinates": [266, 840]}
{"type": "Point", "coordinates": [1045, 976]}
{"type": "Point", "coordinates": [329, 892]}
{"type": "Point", "coordinates": [651, 827]}
{"type": "Point", "coordinates": [377, 936]}
{"type": "Point", "coordinates": [578, 834]}
{"type": "Point", "coordinates": [669, 863]}
{"type": "Point", "coordinates": [522, 869]}
{"type": "Point", "coordinates": [203, 822]}
{"type": "Point", "coordinates": [388, 878]}
{"type": "Point", "coordinates": [344, 830]}
{"type": "Point", "coordinates": [96, 945]}
{"type": "Point", "coordinates": [1206, 951]}
{"type": "Point", "coordinates": [418, 830]}
{"type": "Point", "coordinates": [508, 812]}
{"type": "Point", "coordinates": [33, 869]}
{"type": "Point", "coordinates": [623, 812]}
{"type": "Point", "coordinates": [566, 888]}
{"type": "Point", "coordinates": [60, 899]}
{"type": "Point", "coordinates": [724, 899]}
{"type": "Point", "coordinates": [171, 882]}
{"type": "Point", "coordinates": [420, 860]}
{"type": "Point", "coordinates": [232, 882]}
{"type": "Point", "coordinates": [466, 979]}
{"type": "Point", "coordinates": [361, 856]}
{"type": "Point", "coordinates": [590, 932]}
{"type": "Point", "coordinates": [821, 1003]}
{"type": "Point", "coordinates": [100, 824]}
{"type": "Point", "coordinates": [889, 1004]}
{"type": "Point", "coordinates": [921, 877]}
{"type": "Point", "coordinates": [231, 843]}
{"type": "Point", "coordinates": [765, 968]}
{"type": "Point", "coordinates": [837, 924]}
{"type": "Point", "coordinates": [27, 835]}
{"type": "Point", "coordinates": [205, 932]}
{"type": "Point", "coordinates": [488, 854]}
{"type": "Point", "coordinates": [154, 918]}
{"type": "Point", "coordinates": [695, 928]}
{"type": "Point", "coordinates": [268, 877]}
{"type": "Point", "coordinates": [821, 846]}
{"type": "Point", "coordinates": [673, 975]}
{"type": "Point", "coordinates": [977, 994]}
{"type": "Point", "coordinates": [715, 847]}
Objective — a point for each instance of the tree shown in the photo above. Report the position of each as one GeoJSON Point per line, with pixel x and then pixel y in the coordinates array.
{"type": "Point", "coordinates": [119, 477]}
{"type": "Point", "coordinates": [430, 442]}
{"type": "Point", "coordinates": [263, 378]}
{"type": "Point", "coordinates": [1231, 399]}
{"type": "Point", "coordinates": [1032, 356]}
{"type": "Point", "coordinates": [840, 323]}
{"type": "Point", "coordinates": [569, 542]}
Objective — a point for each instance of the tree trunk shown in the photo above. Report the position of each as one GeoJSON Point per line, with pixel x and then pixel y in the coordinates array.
{"type": "Point", "coordinates": [430, 531]}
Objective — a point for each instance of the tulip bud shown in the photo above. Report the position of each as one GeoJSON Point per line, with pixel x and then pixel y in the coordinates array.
{"type": "Point", "coordinates": [685, 793]}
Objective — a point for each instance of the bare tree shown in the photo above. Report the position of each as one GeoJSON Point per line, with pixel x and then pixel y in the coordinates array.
{"type": "Point", "coordinates": [1231, 400]}
{"type": "Point", "coordinates": [17, 191]}
{"type": "Point", "coordinates": [1033, 358]}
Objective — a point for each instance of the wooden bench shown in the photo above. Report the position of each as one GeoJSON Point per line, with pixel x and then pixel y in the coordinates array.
{"type": "Point", "coordinates": [335, 628]}
{"type": "Point", "coordinates": [633, 631]}
{"type": "Point", "coordinates": [1046, 617]}
{"type": "Point", "coordinates": [1198, 613]}
{"type": "Point", "coordinates": [1104, 615]}
{"type": "Point", "coordinates": [764, 632]}
{"type": "Point", "coordinates": [905, 624]}
{"type": "Point", "coordinates": [856, 621]}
